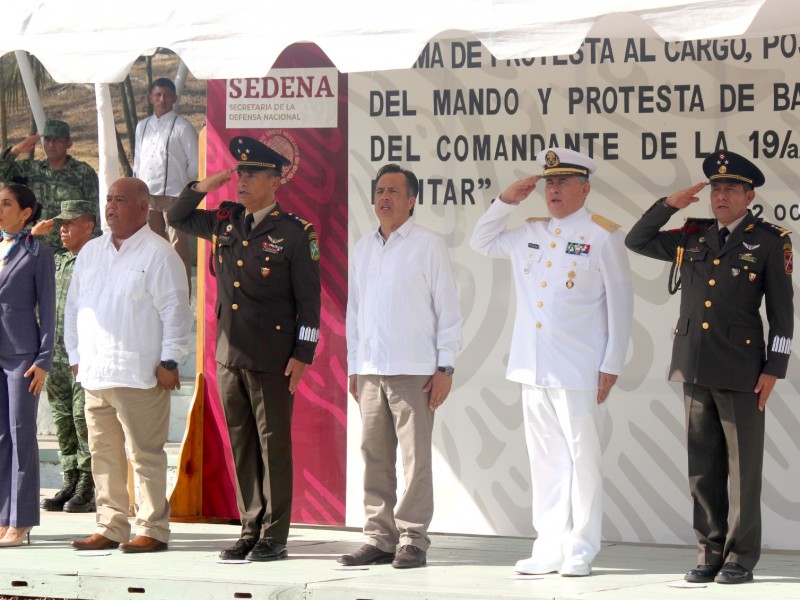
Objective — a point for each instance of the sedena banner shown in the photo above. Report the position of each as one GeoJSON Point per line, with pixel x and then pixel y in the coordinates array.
{"type": "Point", "coordinates": [468, 125]}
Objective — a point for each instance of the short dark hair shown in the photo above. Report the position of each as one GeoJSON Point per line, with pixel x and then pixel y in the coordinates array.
{"type": "Point", "coordinates": [411, 179]}
{"type": "Point", "coordinates": [26, 199]}
{"type": "Point", "coordinates": [162, 82]}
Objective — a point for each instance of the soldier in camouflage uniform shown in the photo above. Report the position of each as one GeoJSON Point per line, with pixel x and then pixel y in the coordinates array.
{"type": "Point", "coordinates": [54, 179]}
{"type": "Point", "coordinates": [76, 220]}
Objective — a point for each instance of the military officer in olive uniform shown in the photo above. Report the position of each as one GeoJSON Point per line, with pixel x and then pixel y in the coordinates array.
{"type": "Point", "coordinates": [725, 266]}
{"type": "Point", "coordinates": [268, 304]}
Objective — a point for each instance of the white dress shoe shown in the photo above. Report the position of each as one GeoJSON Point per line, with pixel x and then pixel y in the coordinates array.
{"type": "Point", "coordinates": [575, 569]}
{"type": "Point", "coordinates": [535, 566]}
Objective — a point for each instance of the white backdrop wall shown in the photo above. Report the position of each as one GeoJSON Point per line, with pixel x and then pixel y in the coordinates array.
{"type": "Point", "coordinates": [647, 111]}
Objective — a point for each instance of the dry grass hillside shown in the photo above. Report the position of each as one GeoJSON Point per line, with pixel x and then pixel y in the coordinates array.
{"type": "Point", "coordinates": [75, 104]}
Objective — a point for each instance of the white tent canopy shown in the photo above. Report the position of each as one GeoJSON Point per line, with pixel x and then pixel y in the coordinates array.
{"type": "Point", "coordinates": [96, 41]}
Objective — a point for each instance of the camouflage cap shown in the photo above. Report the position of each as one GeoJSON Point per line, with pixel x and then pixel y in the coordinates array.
{"type": "Point", "coordinates": [53, 128]}
{"type": "Point", "coordinates": [72, 209]}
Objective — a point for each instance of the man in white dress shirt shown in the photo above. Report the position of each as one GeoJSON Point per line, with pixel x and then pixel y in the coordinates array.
{"type": "Point", "coordinates": [127, 323]}
{"type": "Point", "coordinates": [403, 332]}
{"type": "Point", "coordinates": [574, 311]}
{"type": "Point", "coordinates": [165, 158]}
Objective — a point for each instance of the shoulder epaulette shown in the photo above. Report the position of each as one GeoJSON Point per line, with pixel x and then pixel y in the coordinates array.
{"type": "Point", "coordinates": [537, 219]}
{"type": "Point", "coordinates": [773, 229]}
{"type": "Point", "coordinates": [606, 224]}
{"type": "Point", "coordinates": [299, 221]}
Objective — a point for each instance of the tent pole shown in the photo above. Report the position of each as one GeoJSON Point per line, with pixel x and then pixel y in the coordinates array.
{"type": "Point", "coordinates": [108, 170]}
{"type": "Point", "coordinates": [31, 90]}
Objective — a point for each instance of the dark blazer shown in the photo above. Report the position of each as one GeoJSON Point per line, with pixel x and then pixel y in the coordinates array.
{"type": "Point", "coordinates": [28, 287]}
{"type": "Point", "coordinates": [719, 338]}
{"type": "Point", "coordinates": [268, 283]}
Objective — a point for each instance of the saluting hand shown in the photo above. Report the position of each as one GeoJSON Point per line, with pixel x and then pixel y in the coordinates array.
{"type": "Point", "coordinates": [294, 371]}
{"type": "Point", "coordinates": [214, 182]}
{"type": "Point", "coordinates": [43, 227]}
{"type": "Point", "coordinates": [518, 191]}
{"type": "Point", "coordinates": [25, 145]}
{"type": "Point", "coordinates": [685, 197]}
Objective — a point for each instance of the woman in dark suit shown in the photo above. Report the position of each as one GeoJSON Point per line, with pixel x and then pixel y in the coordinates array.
{"type": "Point", "coordinates": [27, 287]}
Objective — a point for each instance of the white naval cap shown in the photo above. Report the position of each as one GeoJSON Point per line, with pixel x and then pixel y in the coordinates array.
{"type": "Point", "coordinates": [560, 161]}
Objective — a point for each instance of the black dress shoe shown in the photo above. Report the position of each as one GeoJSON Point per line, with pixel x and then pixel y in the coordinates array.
{"type": "Point", "coordinates": [366, 555]}
{"type": "Point", "coordinates": [732, 572]}
{"type": "Point", "coordinates": [409, 557]}
{"type": "Point", "coordinates": [267, 549]}
{"type": "Point", "coordinates": [702, 574]}
{"type": "Point", "coordinates": [239, 550]}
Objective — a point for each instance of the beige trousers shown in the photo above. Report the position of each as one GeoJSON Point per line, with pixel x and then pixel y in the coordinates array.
{"type": "Point", "coordinates": [394, 410]}
{"type": "Point", "coordinates": [138, 418]}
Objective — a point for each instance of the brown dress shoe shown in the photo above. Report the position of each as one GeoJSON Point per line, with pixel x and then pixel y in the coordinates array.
{"type": "Point", "coordinates": [142, 543]}
{"type": "Point", "coordinates": [94, 542]}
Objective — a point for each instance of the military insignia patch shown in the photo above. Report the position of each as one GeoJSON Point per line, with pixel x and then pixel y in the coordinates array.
{"type": "Point", "coordinates": [788, 261]}
{"type": "Point", "coordinates": [752, 276]}
{"type": "Point", "coordinates": [271, 248]}
{"type": "Point", "coordinates": [265, 271]}
{"type": "Point", "coordinates": [570, 284]}
{"type": "Point", "coordinates": [748, 257]}
{"type": "Point", "coordinates": [532, 245]}
{"type": "Point", "coordinates": [577, 248]}
{"type": "Point", "coordinates": [751, 246]}
{"type": "Point", "coordinates": [313, 246]}
{"type": "Point", "coordinates": [735, 272]}
{"type": "Point", "coordinates": [228, 228]}
{"type": "Point", "coordinates": [274, 240]}
{"type": "Point", "coordinates": [782, 344]}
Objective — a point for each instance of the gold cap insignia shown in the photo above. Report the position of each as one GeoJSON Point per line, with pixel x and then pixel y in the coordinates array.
{"type": "Point", "coordinates": [551, 159]}
{"type": "Point", "coordinates": [244, 156]}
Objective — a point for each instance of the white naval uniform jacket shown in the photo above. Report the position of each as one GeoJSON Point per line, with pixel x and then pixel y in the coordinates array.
{"type": "Point", "coordinates": [574, 295]}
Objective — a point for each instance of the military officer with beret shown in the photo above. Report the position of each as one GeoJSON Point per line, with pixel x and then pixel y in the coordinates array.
{"type": "Point", "coordinates": [725, 266]}
{"type": "Point", "coordinates": [574, 312]}
{"type": "Point", "coordinates": [268, 309]}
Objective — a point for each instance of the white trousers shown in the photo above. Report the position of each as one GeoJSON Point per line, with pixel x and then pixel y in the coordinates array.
{"type": "Point", "coordinates": [563, 430]}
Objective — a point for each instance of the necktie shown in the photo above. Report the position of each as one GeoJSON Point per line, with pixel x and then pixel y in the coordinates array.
{"type": "Point", "coordinates": [723, 235]}
{"type": "Point", "coordinates": [249, 219]}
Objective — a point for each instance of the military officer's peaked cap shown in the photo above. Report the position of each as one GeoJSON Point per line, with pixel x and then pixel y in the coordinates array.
{"type": "Point", "coordinates": [252, 155]}
{"type": "Point", "coordinates": [724, 166]}
{"type": "Point", "coordinates": [72, 209]}
{"type": "Point", "coordinates": [560, 161]}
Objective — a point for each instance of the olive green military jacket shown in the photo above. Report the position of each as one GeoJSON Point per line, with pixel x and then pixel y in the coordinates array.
{"type": "Point", "coordinates": [76, 180]}
{"type": "Point", "coordinates": [268, 283]}
{"type": "Point", "coordinates": [719, 337]}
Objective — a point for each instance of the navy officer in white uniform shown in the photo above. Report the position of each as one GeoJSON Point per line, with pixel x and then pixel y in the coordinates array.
{"type": "Point", "coordinates": [573, 321]}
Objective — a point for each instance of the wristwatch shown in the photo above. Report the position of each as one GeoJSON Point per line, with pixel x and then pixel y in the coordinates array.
{"type": "Point", "coordinates": [169, 365]}
{"type": "Point", "coordinates": [447, 370]}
